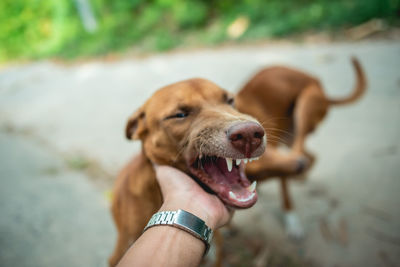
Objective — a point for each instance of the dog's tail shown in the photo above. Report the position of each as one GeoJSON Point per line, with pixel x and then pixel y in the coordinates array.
{"type": "Point", "coordinates": [359, 89]}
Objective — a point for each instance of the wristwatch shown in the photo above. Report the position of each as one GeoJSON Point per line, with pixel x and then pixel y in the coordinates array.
{"type": "Point", "coordinates": [185, 221]}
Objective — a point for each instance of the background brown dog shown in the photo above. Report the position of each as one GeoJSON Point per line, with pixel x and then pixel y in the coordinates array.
{"type": "Point", "coordinates": [193, 126]}
{"type": "Point", "coordinates": [290, 104]}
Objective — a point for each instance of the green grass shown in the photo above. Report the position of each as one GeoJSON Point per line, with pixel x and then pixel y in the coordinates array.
{"type": "Point", "coordinates": [34, 29]}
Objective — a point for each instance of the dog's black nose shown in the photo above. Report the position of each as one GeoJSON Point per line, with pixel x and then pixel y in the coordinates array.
{"type": "Point", "coordinates": [246, 137]}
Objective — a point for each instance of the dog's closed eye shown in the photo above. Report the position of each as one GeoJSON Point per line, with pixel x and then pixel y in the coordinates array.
{"type": "Point", "coordinates": [183, 113]}
{"type": "Point", "coordinates": [228, 99]}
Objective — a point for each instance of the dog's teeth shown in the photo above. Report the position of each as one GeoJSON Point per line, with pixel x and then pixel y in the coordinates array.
{"type": "Point", "coordinates": [229, 163]}
{"type": "Point", "coordinates": [252, 159]}
{"type": "Point", "coordinates": [238, 161]}
{"type": "Point", "coordinates": [252, 187]}
{"type": "Point", "coordinates": [245, 161]}
{"type": "Point", "coordinates": [232, 195]}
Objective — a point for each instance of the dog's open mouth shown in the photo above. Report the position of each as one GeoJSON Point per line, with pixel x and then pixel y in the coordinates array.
{"type": "Point", "coordinates": [226, 178]}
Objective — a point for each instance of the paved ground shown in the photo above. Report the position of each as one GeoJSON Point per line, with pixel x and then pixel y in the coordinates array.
{"type": "Point", "coordinates": [61, 126]}
{"type": "Point", "coordinates": [50, 216]}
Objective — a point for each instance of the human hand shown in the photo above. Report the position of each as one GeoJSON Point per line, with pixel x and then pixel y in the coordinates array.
{"type": "Point", "coordinates": [181, 192]}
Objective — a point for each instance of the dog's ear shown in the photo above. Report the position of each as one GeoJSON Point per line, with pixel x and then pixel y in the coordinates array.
{"type": "Point", "coordinates": [135, 126]}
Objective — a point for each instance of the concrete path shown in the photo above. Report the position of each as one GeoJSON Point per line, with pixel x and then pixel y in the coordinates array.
{"type": "Point", "coordinates": [50, 216]}
{"type": "Point", "coordinates": [56, 120]}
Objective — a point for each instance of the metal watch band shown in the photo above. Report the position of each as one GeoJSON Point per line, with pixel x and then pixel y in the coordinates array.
{"type": "Point", "coordinates": [185, 221]}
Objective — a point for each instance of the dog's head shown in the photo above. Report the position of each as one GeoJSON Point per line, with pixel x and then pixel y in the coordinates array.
{"type": "Point", "coordinates": [193, 125]}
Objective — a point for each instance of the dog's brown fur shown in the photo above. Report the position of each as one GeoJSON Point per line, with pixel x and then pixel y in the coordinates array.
{"type": "Point", "coordinates": [169, 140]}
{"type": "Point", "coordinates": [290, 104]}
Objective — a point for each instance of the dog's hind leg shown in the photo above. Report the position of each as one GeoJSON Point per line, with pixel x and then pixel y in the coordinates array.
{"type": "Point", "coordinates": [310, 108]}
{"type": "Point", "coordinates": [292, 223]}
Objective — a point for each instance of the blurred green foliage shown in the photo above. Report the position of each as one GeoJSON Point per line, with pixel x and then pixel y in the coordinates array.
{"type": "Point", "coordinates": [31, 29]}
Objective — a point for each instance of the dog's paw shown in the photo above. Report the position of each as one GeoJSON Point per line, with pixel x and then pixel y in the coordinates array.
{"type": "Point", "coordinates": [303, 164]}
{"type": "Point", "coordinates": [293, 227]}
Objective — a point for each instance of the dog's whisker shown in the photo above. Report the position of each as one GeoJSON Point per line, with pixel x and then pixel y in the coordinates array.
{"type": "Point", "coordinates": [184, 146]}
{"type": "Point", "coordinates": [279, 141]}
{"type": "Point", "coordinates": [279, 130]}
{"type": "Point", "coordinates": [278, 137]}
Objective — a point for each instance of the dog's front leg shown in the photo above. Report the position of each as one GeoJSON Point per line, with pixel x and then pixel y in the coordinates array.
{"type": "Point", "coordinates": [293, 227]}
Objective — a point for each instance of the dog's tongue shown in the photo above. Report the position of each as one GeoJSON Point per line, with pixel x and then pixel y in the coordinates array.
{"type": "Point", "coordinates": [233, 187]}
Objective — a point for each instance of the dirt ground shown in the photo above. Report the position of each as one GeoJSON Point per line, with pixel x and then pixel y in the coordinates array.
{"type": "Point", "coordinates": [62, 143]}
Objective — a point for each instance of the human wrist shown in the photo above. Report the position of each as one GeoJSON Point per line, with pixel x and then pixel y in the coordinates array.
{"type": "Point", "coordinates": [174, 246]}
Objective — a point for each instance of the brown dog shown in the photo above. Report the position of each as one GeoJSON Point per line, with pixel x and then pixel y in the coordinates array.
{"type": "Point", "coordinates": [193, 126]}
{"type": "Point", "coordinates": [290, 104]}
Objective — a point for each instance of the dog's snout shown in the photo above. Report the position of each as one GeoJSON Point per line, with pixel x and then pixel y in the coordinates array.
{"type": "Point", "coordinates": [246, 137]}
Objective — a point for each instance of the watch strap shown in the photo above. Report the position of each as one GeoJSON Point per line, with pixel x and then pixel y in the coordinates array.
{"type": "Point", "coordinates": [185, 221]}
